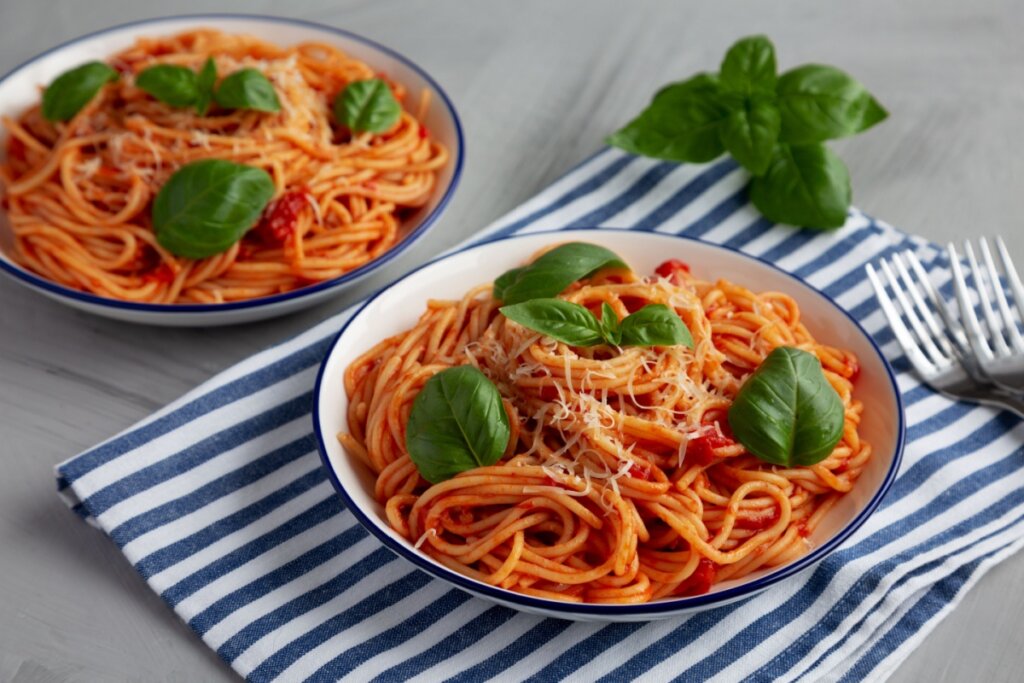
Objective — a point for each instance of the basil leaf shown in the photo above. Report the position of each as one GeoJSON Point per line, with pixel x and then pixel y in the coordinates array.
{"type": "Point", "coordinates": [821, 103]}
{"type": "Point", "coordinates": [749, 66]}
{"type": "Point", "coordinates": [553, 271]}
{"type": "Point", "coordinates": [611, 328]}
{"type": "Point", "coordinates": [247, 89]}
{"type": "Point", "coordinates": [749, 134]}
{"type": "Point", "coordinates": [562, 320]}
{"type": "Point", "coordinates": [204, 82]}
{"type": "Point", "coordinates": [655, 325]}
{"type": "Point", "coordinates": [505, 280]}
{"type": "Point", "coordinates": [681, 124]}
{"type": "Point", "coordinates": [73, 89]}
{"type": "Point", "coordinates": [174, 85]}
{"type": "Point", "coordinates": [206, 206]}
{"type": "Point", "coordinates": [457, 423]}
{"type": "Point", "coordinates": [804, 185]}
{"type": "Point", "coordinates": [367, 106]}
{"type": "Point", "coordinates": [786, 413]}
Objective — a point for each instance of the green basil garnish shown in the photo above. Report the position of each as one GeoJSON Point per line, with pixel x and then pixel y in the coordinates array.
{"type": "Point", "coordinates": [681, 123]}
{"type": "Point", "coordinates": [803, 185]}
{"type": "Point", "coordinates": [247, 89]}
{"type": "Point", "coordinates": [611, 328]}
{"type": "Point", "coordinates": [457, 423]}
{"type": "Point", "coordinates": [562, 320]}
{"type": "Point", "coordinates": [205, 81]}
{"type": "Point", "coordinates": [570, 323]}
{"type": "Point", "coordinates": [821, 103]}
{"type": "Point", "coordinates": [786, 413]}
{"type": "Point", "coordinates": [206, 206]}
{"type": "Point", "coordinates": [177, 86]}
{"type": "Point", "coordinates": [73, 89]}
{"type": "Point", "coordinates": [367, 106]}
{"type": "Point", "coordinates": [749, 66]}
{"type": "Point", "coordinates": [774, 126]}
{"type": "Point", "coordinates": [750, 131]}
{"type": "Point", "coordinates": [655, 325]}
{"type": "Point", "coordinates": [553, 271]}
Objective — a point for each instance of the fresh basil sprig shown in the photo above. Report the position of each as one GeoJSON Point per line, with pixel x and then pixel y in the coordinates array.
{"type": "Point", "coordinates": [570, 323]}
{"type": "Point", "coordinates": [611, 327]}
{"type": "Point", "coordinates": [179, 86]}
{"type": "Point", "coordinates": [774, 126]}
{"type": "Point", "coordinates": [553, 271]}
{"type": "Point", "coordinates": [367, 106]}
{"type": "Point", "coordinates": [175, 85]}
{"type": "Point", "coordinates": [205, 81]}
{"type": "Point", "coordinates": [74, 89]}
{"type": "Point", "coordinates": [206, 206]}
{"type": "Point", "coordinates": [457, 423]}
{"type": "Point", "coordinates": [681, 124]}
{"type": "Point", "coordinates": [786, 413]}
{"type": "Point", "coordinates": [655, 325]}
{"type": "Point", "coordinates": [247, 89]}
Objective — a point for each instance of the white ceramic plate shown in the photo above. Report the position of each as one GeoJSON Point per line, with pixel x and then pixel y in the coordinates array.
{"type": "Point", "coordinates": [19, 90]}
{"type": "Point", "coordinates": [400, 305]}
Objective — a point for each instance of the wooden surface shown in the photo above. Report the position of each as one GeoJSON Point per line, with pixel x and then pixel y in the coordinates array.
{"type": "Point", "coordinates": [538, 85]}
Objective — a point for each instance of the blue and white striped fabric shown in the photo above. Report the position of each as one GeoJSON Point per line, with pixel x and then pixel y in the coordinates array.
{"type": "Point", "coordinates": [220, 503]}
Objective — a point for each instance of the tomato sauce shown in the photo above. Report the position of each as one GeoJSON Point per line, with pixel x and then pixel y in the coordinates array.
{"type": "Point", "coordinates": [699, 582]}
{"type": "Point", "coordinates": [640, 470]}
{"type": "Point", "coordinates": [161, 273]}
{"type": "Point", "coordinates": [762, 521]}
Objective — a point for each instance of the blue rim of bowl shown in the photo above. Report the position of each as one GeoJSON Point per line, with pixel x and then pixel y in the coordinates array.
{"type": "Point", "coordinates": [412, 237]}
{"type": "Point", "coordinates": [596, 610]}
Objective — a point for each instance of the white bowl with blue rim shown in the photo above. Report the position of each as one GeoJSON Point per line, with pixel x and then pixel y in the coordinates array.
{"type": "Point", "coordinates": [398, 307]}
{"type": "Point", "coordinates": [19, 90]}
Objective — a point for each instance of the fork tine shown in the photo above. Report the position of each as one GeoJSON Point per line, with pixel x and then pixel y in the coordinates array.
{"type": "Point", "coordinates": [924, 366]}
{"type": "Point", "coordinates": [994, 328]}
{"type": "Point", "coordinates": [967, 315]}
{"type": "Point", "coordinates": [954, 330]}
{"type": "Point", "coordinates": [926, 313]}
{"type": "Point", "coordinates": [925, 339]}
{"type": "Point", "coordinates": [1004, 307]}
{"type": "Point", "coordinates": [1011, 275]}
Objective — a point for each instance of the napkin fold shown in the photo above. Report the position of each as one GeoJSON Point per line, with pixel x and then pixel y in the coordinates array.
{"type": "Point", "coordinates": [219, 501]}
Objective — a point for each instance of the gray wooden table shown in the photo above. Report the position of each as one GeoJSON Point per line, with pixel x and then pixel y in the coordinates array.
{"type": "Point", "coordinates": [538, 85]}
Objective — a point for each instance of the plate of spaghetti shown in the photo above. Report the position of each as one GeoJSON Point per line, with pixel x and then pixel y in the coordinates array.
{"type": "Point", "coordinates": [218, 168]}
{"type": "Point", "coordinates": [605, 424]}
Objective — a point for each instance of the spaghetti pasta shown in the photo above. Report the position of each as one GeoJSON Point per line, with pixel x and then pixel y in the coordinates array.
{"type": "Point", "coordinates": [621, 482]}
{"type": "Point", "coordinates": [77, 193]}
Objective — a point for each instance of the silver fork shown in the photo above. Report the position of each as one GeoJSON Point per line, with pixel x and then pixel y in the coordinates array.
{"type": "Point", "coordinates": [1001, 355]}
{"type": "Point", "coordinates": [940, 359]}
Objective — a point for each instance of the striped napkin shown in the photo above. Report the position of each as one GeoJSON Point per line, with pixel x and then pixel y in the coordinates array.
{"type": "Point", "coordinates": [220, 502]}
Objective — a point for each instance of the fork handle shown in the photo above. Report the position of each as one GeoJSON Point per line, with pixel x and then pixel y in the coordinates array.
{"type": "Point", "coordinates": [1007, 401]}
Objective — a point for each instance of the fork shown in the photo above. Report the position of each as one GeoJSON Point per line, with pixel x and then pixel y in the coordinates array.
{"type": "Point", "coordinates": [1002, 360]}
{"type": "Point", "coordinates": [942, 360]}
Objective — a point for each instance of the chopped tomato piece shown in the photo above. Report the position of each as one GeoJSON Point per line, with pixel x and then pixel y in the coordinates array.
{"type": "Point", "coordinates": [699, 582]}
{"type": "Point", "coordinates": [279, 218]}
{"type": "Point", "coordinates": [423, 132]}
{"type": "Point", "coordinates": [640, 470]}
{"type": "Point", "coordinates": [701, 450]}
{"type": "Point", "coordinates": [672, 270]}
